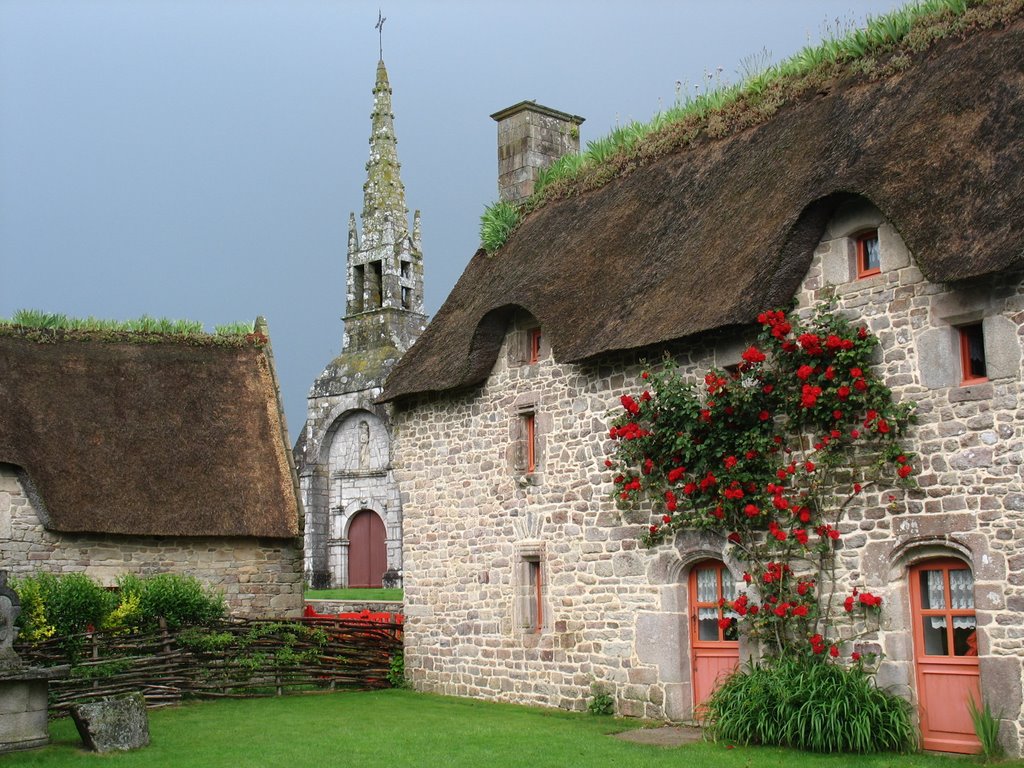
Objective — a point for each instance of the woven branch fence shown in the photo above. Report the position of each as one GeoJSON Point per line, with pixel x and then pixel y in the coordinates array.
{"type": "Point", "coordinates": [230, 659]}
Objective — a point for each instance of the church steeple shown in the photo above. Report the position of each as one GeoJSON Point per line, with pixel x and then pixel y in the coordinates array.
{"type": "Point", "coordinates": [384, 306]}
{"type": "Point", "coordinates": [384, 211]}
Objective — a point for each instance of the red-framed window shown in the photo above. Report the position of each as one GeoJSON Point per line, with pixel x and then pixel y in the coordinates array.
{"type": "Point", "coordinates": [972, 354]}
{"type": "Point", "coordinates": [869, 261]}
{"type": "Point", "coordinates": [711, 584]}
{"type": "Point", "coordinates": [530, 441]}
{"type": "Point", "coordinates": [943, 600]}
{"type": "Point", "coordinates": [533, 353]}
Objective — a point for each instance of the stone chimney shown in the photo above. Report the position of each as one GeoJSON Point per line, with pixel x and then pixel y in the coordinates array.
{"type": "Point", "coordinates": [531, 137]}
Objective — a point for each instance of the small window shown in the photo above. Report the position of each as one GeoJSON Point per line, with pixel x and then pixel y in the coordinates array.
{"type": "Point", "coordinates": [406, 270]}
{"type": "Point", "coordinates": [972, 354]}
{"type": "Point", "coordinates": [530, 442]}
{"type": "Point", "coordinates": [533, 353]}
{"type": "Point", "coordinates": [869, 261]}
{"type": "Point", "coordinates": [530, 613]}
{"type": "Point", "coordinates": [534, 603]}
{"type": "Point", "coordinates": [406, 298]}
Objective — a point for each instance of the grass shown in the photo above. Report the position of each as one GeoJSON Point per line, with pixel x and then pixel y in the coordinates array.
{"type": "Point", "coordinates": [881, 47]}
{"type": "Point", "coordinates": [366, 595]}
{"type": "Point", "coordinates": [405, 729]}
{"type": "Point", "coordinates": [54, 321]}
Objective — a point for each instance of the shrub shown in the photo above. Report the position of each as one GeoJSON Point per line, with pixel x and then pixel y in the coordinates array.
{"type": "Point", "coordinates": [602, 702]}
{"type": "Point", "coordinates": [396, 671]}
{"type": "Point", "coordinates": [809, 704]}
{"type": "Point", "coordinates": [180, 600]}
{"type": "Point", "coordinates": [74, 603]}
{"type": "Point", "coordinates": [61, 606]}
{"type": "Point", "coordinates": [32, 621]}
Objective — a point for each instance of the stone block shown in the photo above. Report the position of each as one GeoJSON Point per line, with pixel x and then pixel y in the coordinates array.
{"type": "Point", "coordinates": [115, 724]}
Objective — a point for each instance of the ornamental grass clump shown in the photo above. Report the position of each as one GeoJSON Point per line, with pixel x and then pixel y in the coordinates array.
{"type": "Point", "coordinates": [809, 704]}
{"type": "Point", "coordinates": [497, 223]}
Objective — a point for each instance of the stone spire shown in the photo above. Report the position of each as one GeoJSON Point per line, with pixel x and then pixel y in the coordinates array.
{"type": "Point", "coordinates": [385, 217]}
{"type": "Point", "coordinates": [384, 307]}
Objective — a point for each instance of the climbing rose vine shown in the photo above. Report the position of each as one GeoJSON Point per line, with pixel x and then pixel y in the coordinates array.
{"type": "Point", "coordinates": [769, 456]}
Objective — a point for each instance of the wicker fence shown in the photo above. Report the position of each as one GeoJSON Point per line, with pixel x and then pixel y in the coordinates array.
{"type": "Point", "coordinates": [232, 659]}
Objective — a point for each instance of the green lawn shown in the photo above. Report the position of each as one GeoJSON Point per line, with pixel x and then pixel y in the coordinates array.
{"type": "Point", "coordinates": [367, 595]}
{"type": "Point", "coordinates": [400, 728]}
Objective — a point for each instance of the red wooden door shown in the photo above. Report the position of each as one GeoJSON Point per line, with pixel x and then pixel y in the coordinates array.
{"type": "Point", "coordinates": [714, 644]}
{"type": "Point", "coordinates": [946, 653]}
{"type": "Point", "coordinates": [367, 550]}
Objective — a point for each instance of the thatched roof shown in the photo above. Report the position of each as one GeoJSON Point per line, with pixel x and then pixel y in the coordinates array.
{"type": "Point", "coordinates": [148, 438]}
{"type": "Point", "coordinates": [709, 235]}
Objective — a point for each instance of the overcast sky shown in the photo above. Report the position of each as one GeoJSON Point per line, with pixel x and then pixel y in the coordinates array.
{"type": "Point", "coordinates": [199, 158]}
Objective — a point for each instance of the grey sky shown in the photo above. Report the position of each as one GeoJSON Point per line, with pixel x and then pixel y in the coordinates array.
{"type": "Point", "coordinates": [199, 158]}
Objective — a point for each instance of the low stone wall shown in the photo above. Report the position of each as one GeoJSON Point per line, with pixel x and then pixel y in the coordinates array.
{"type": "Point", "coordinates": [332, 607]}
{"type": "Point", "coordinates": [260, 578]}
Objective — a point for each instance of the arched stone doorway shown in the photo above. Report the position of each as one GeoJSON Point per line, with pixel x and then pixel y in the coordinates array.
{"type": "Point", "coordinates": [367, 550]}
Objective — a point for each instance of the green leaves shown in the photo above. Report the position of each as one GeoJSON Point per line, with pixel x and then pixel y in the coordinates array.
{"type": "Point", "coordinates": [809, 704]}
{"type": "Point", "coordinates": [497, 223]}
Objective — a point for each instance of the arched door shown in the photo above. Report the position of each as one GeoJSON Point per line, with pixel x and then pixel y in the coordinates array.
{"type": "Point", "coordinates": [714, 639]}
{"type": "Point", "coordinates": [946, 653]}
{"type": "Point", "coordinates": [367, 550]}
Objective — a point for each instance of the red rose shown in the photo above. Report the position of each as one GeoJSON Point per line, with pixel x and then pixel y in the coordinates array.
{"type": "Point", "coordinates": [833, 651]}
{"type": "Point", "coordinates": [629, 404]}
{"type": "Point", "coordinates": [753, 355]}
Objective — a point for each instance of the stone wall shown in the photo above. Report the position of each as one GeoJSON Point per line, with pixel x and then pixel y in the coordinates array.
{"type": "Point", "coordinates": [617, 613]}
{"type": "Point", "coordinates": [259, 578]}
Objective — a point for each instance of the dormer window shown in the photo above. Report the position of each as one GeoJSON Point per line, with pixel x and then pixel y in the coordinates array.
{"type": "Point", "coordinates": [869, 260]}
{"type": "Point", "coordinates": [972, 354]}
{"type": "Point", "coordinates": [533, 351]}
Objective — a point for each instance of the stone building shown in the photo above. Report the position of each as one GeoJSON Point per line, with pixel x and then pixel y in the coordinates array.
{"type": "Point", "coordinates": [353, 508]}
{"type": "Point", "coordinates": [149, 454]}
{"type": "Point", "coordinates": [897, 189]}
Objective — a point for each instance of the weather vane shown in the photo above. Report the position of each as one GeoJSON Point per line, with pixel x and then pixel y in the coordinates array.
{"type": "Point", "coordinates": [380, 32]}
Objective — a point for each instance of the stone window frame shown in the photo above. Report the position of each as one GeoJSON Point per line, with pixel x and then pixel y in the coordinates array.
{"type": "Point", "coordinates": [973, 369]}
{"type": "Point", "coordinates": [528, 430]}
{"type": "Point", "coordinates": [940, 348]}
{"type": "Point", "coordinates": [521, 351]}
{"type": "Point", "coordinates": [532, 606]}
{"type": "Point", "coordinates": [534, 342]}
{"type": "Point", "coordinates": [839, 247]}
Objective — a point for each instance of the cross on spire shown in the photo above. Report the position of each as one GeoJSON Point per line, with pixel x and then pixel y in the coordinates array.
{"type": "Point", "coordinates": [380, 32]}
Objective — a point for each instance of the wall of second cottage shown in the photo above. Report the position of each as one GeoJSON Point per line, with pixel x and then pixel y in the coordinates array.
{"type": "Point", "coordinates": [259, 578]}
{"type": "Point", "coordinates": [617, 613]}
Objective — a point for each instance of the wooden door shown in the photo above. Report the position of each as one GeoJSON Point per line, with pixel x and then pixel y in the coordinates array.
{"type": "Point", "coordinates": [946, 653]}
{"type": "Point", "coordinates": [367, 550]}
{"type": "Point", "coordinates": [714, 640]}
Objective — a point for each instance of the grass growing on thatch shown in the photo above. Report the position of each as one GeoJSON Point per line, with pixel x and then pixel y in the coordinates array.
{"type": "Point", "coordinates": [37, 320]}
{"type": "Point", "coordinates": [882, 47]}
